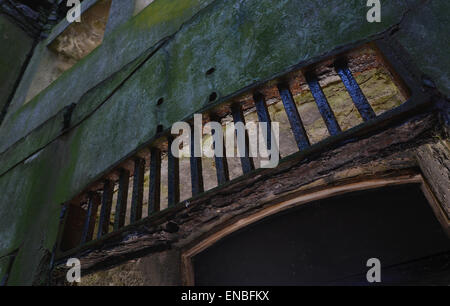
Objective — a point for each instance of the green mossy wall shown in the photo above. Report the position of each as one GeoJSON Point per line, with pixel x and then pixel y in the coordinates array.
{"type": "Point", "coordinates": [15, 45]}
{"type": "Point", "coordinates": [246, 41]}
{"type": "Point", "coordinates": [425, 35]}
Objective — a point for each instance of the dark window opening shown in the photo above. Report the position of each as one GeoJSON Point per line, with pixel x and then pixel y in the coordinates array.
{"type": "Point", "coordinates": [330, 241]}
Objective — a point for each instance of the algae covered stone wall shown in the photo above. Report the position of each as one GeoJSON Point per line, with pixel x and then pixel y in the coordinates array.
{"type": "Point", "coordinates": [15, 46]}
{"type": "Point", "coordinates": [164, 52]}
{"type": "Point", "coordinates": [424, 33]}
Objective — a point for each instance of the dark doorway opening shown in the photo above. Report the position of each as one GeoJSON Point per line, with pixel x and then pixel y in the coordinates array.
{"type": "Point", "coordinates": [330, 241]}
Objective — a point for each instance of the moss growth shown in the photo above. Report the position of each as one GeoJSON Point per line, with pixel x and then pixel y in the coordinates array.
{"type": "Point", "coordinates": [15, 46]}
{"type": "Point", "coordinates": [163, 12]}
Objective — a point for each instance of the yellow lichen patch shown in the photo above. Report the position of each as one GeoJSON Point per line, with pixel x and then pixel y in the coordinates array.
{"type": "Point", "coordinates": [152, 14]}
{"type": "Point", "coordinates": [380, 90]}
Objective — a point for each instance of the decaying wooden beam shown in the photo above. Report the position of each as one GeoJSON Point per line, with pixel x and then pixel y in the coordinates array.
{"type": "Point", "coordinates": [434, 161]}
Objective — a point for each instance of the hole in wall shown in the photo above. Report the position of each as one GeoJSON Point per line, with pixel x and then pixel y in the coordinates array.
{"type": "Point", "coordinates": [213, 97]}
{"type": "Point", "coordinates": [160, 102]}
{"type": "Point", "coordinates": [211, 71]}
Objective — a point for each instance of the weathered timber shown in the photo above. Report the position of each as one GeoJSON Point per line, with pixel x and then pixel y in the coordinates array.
{"type": "Point", "coordinates": [434, 161]}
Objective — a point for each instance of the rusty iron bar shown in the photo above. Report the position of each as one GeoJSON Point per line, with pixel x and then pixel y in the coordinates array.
{"type": "Point", "coordinates": [323, 105]}
{"type": "Point", "coordinates": [294, 117]}
{"type": "Point", "coordinates": [196, 168]}
{"type": "Point", "coordinates": [173, 169]}
{"type": "Point", "coordinates": [354, 90]}
{"type": "Point", "coordinates": [122, 199]}
{"type": "Point", "coordinates": [221, 163]}
{"type": "Point", "coordinates": [263, 116]}
{"type": "Point", "coordinates": [138, 190]}
{"type": "Point", "coordinates": [105, 211]}
{"type": "Point", "coordinates": [154, 197]}
{"type": "Point", "coordinates": [222, 173]}
{"type": "Point", "coordinates": [246, 160]}
{"type": "Point", "coordinates": [91, 217]}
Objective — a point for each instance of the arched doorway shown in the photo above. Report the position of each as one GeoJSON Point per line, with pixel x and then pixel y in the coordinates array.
{"type": "Point", "coordinates": [329, 242]}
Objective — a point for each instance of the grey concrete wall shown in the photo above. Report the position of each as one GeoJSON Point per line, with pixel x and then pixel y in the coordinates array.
{"type": "Point", "coordinates": [116, 88]}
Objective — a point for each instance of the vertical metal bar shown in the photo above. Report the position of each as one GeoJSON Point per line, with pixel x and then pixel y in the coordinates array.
{"type": "Point", "coordinates": [173, 176]}
{"type": "Point", "coordinates": [263, 116]}
{"type": "Point", "coordinates": [294, 118]}
{"type": "Point", "coordinates": [122, 199]}
{"type": "Point", "coordinates": [62, 226]}
{"type": "Point", "coordinates": [323, 105]}
{"type": "Point", "coordinates": [354, 90]}
{"type": "Point", "coordinates": [246, 160]}
{"type": "Point", "coordinates": [154, 198]}
{"type": "Point", "coordinates": [222, 173]}
{"type": "Point", "coordinates": [138, 190]}
{"type": "Point", "coordinates": [105, 212]}
{"type": "Point", "coordinates": [91, 216]}
{"type": "Point", "coordinates": [196, 168]}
